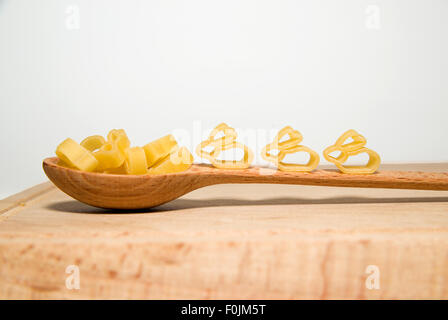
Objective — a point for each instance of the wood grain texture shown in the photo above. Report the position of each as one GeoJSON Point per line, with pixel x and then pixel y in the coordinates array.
{"type": "Point", "coordinates": [231, 241]}
{"type": "Point", "coordinates": [144, 191]}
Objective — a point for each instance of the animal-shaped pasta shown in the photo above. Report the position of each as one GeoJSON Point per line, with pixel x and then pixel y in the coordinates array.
{"type": "Point", "coordinates": [352, 148]}
{"type": "Point", "coordinates": [226, 142]}
{"type": "Point", "coordinates": [291, 145]}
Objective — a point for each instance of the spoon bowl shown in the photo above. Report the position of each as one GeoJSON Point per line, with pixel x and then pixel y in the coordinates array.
{"type": "Point", "coordinates": [114, 191]}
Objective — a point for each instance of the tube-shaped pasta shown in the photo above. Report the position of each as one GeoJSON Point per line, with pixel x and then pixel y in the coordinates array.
{"type": "Point", "coordinates": [115, 155]}
{"type": "Point", "coordinates": [159, 149]}
{"type": "Point", "coordinates": [109, 156]}
{"type": "Point", "coordinates": [93, 143]}
{"type": "Point", "coordinates": [179, 160]}
{"type": "Point", "coordinates": [291, 145]}
{"type": "Point", "coordinates": [75, 155]}
{"type": "Point", "coordinates": [120, 138]}
{"type": "Point", "coordinates": [135, 162]}
{"type": "Point", "coordinates": [351, 149]}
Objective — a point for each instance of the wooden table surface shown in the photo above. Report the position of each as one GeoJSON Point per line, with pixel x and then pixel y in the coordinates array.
{"type": "Point", "coordinates": [230, 242]}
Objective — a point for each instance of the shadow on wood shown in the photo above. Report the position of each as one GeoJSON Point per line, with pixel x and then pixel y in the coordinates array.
{"type": "Point", "coordinates": [74, 206]}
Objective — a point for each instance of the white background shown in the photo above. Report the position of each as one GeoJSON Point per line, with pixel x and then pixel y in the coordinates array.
{"type": "Point", "coordinates": [152, 67]}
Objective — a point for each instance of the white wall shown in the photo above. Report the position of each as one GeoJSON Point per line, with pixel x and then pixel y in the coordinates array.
{"type": "Point", "coordinates": [155, 66]}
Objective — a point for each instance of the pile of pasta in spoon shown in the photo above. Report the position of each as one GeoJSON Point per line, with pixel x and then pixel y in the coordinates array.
{"type": "Point", "coordinates": [116, 156]}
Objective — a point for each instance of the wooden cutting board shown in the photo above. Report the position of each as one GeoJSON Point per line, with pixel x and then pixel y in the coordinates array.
{"type": "Point", "coordinates": [230, 242]}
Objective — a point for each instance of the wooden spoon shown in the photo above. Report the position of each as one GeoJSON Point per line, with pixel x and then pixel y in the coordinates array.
{"type": "Point", "coordinates": [144, 191]}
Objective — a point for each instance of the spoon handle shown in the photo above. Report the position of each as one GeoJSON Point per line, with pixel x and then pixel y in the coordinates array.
{"type": "Point", "coordinates": [383, 179]}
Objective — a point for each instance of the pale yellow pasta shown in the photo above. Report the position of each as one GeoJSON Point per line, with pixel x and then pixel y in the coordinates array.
{"type": "Point", "coordinates": [135, 162]}
{"type": "Point", "coordinates": [115, 155]}
{"type": "Point", "coordinates": [226, 142]}
{"type": "Point", "coordinates": [355, 147]}
{"type": "Point", "coordinates": [93, 143]}
{"type": "Point", "coordinates": [75, 155]}
{"type": "Point", "coordinates": [109, 156]}
{"type": "Point", "coordinates": [179, 160]}
{"type": "Point", "coordinates": [289, 146]}
{"type": "Point", "coordinates": [159, 149]}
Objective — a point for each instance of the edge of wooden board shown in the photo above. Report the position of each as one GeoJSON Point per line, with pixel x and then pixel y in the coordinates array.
{"type": "Point", "coordinates": [21, 198]}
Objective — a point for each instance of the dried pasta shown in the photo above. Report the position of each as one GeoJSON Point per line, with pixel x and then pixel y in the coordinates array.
{"type": "Point", "coordinates": [135, 162]}
{"type": "Point", "coordinates": [357, 146]}
{"type": "Point", "coordinates": [109, 156]}
{"type": "Point", "coordinates": [226, 142]}
{"type": "Point", "coordinates": [75, 155]}
{"type": "Point", "coordinates": [159, 149]}
{"type": "Point", "coordinates": [178, 160]}
{"type": "Point", "coordinates": [116, 156]}
{"type": "Point", "coordinates": [289, 146]}
{"type": "Point", "coordinates": [93, 143]}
